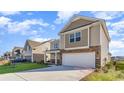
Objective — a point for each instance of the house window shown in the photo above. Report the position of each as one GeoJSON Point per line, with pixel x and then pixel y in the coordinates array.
{"type": "Point", "coordinates": [78, 36]}
{"type": "Point", "coordinates": [28, 48]}
{"type": "Point", "coordinates": [71, 38]}
{"type": "Point", "coordinates": [56, 46]}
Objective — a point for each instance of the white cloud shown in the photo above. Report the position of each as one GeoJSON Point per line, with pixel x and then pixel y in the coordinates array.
{"type": "Point", "coordinates": [114, 51]}
{"type": "Point", "coordinates": [116, 44]}
{"type": "Point", "coordinates": [32, 27]}
{"type": "Point", "coordinates": [40, 39]}
{"type": "Point", "coordinates": [107, 15]}
{"type": "Point", "coordinates": [114, 33]}
{"type": "Point", "coordinates": [25, 27]}
{"type": "Point", "coordinates": [116, 47]}
{"type": "Point", "coordinates": [63, 16]}
{"type": "Point", "coordinates": [108, 23]}
{"type": "Point", "coordinates": [5, 13]}
{"type": "Point", "coordinates": [4, 20]}
{"type": "Point", "coordinates": [53, 27]}
{"type": "Point", "coordinates": [118, 26]}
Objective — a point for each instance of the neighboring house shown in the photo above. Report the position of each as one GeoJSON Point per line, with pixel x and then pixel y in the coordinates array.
{"type": "Point", "coordinates": [85, 42]}
{"type": "Point", "coordinates": [40, 52]}
{"type": "Point", "coordinates": [54, 51]}
{"type": "Point", "coordinates": [49, 52]}
{"type": "Point", "coordinates": [17, 53]}
{"type": "Point", "coordinates": [29, 47]}
{"type": "Point", "coordinates": [7, 55]}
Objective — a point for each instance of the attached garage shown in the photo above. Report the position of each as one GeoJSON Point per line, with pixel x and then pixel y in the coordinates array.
{"type": "Point", "coordinates": [79, 59]}
{"type": "Point", "coordinates": [28, 58]}
{"type": "Point", "coordinates": [38, 57]}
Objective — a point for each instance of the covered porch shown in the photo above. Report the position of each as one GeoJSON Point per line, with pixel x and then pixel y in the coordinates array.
{"type": "Point", "coordinates": [55, 57]}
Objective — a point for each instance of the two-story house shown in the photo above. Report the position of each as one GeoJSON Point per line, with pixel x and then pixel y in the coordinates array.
{"type": "Point", "coordinates": [84, 42]}
{"type": "Point", "coordinates": [40, 52]}
{"type": "Point", "coordinates": [17, 53]}
{"type": "Point", "coordinates": [54, 52]}
{"type": "Point", "coordinates": [28, 51]}
{"type": "Point", "coordinates": [7, 56]}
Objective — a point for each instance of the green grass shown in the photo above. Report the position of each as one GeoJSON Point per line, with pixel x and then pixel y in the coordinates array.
{"type": "Point", "coordinates": [111, 75]}
{"type": "Point", "coordinates": [20, 67]}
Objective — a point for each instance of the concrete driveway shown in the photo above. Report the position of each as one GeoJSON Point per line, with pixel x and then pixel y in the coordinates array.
{"type": "Point", "coordinates": [53, 73]}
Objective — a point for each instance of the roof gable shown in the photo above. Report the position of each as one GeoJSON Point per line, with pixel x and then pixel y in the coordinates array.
{"type": "Point", "coordinates": [78, 21]}
{"type": "Point", "coordinates": [31, 43]}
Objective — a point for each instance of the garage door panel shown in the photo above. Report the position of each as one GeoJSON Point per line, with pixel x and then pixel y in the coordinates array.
{"type": "Point", "coordinates": [79, 59]}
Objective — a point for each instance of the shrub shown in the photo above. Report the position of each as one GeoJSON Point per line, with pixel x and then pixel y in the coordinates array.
{"type": "Point", "coordinates": [41, 62]}
{"type": "Point", "coordinates": [114, 63]}
{"type": "Point", "coordinates": [105, 69]}
{"type": "Point", "coordinates": [109, 65]}
{"type": "Point", "coordinates": [7, 63]}
{"type": "Point", "coordinates": [97, 70]}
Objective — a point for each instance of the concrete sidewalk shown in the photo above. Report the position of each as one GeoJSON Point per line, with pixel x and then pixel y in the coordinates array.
{"type": "Point", "coordinates": [54, 73]}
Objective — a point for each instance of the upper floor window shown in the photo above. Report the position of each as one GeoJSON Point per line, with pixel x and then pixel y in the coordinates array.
{"type": "Point", "coordinates": [71, 38]}
{"type": "Point", "coordinates": [56, 46]}
{"type": "Point", "coordinates": [75, 37]}
{"type": "Point", "coordinates": [78, 36]}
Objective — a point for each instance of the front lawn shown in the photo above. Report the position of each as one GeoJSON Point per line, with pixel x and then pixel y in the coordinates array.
{"type": "Point", "coordinates": [113, 73]}
{"type": "Point", "coordinates": [20, 67]}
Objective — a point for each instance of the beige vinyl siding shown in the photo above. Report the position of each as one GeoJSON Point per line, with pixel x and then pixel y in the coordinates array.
{"type": "Point", "coordinates": [61, 41]}
{"type": "Point", "coordinates": [42, 48]}
{"type": "Point", "coordinates": [94, 35]}
{"type": "Point", "coordinates": [54, 42]}
{"type": "Point", "coordinates": [76, 24]}
{"type": "Point", "coordinates": [81, 43]}
{"type": "Point", "coordinates": [104, 47]}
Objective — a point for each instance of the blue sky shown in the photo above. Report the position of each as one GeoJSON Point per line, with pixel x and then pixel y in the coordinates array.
{"type": "Point", "coordinates": [16, 27]}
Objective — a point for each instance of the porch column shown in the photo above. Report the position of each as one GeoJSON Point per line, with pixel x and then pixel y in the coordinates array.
{"type": "Point", "coordinates": [56, 58]}
{"type": "Point", "coordinates": [45, 57]}
{"type": "Point", "coordinates": [32, 57]}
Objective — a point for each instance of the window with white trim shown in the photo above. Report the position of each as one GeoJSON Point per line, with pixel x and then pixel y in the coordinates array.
{"type": "Point", "coordinates": [71, 38]}
{"type": "Point", "coordinates": [77, 36]}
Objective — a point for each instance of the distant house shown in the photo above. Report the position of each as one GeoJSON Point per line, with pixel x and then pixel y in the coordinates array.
{"type": "Point", "coordinates": [7, 55]}
{"type": "Point", "coordinates": [116, 58]}
{"type": "Point", "coordinates": [29, 48]}
{"type": "Point", "coordinates": [39, 52]}
{"type": "Point", "coordinates": [47, 51]}
{"type": "Point", "coordinates": [17, 53]}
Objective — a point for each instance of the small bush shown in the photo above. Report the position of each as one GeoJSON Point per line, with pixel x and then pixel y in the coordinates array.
{"type": "Point", "coordinates": [97, 70]}
{"type": "Point", "coordinates": [41, 62]}
{"type": "Point", "coordinates": [105, 69]}
{"type": "Point", "coordinates": [114, 63]}
{"type": "Point", "coordinates": [108, 65]}
{"type": "Point", "coordinates": [7, 63]}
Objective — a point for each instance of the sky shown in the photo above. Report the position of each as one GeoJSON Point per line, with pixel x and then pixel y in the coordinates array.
{"type": "Point", "coordinates": [18, 26]}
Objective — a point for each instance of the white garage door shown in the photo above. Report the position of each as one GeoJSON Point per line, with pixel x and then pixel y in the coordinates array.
{"type": "Point", "coordinates": [79, 59]}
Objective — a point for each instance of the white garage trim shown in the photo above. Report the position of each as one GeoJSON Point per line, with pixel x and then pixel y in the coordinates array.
{"type": "Point", "coordinates": [79, 59]}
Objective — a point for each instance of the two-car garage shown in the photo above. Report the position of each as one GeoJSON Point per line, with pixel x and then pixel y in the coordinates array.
{"type": "Point", "coordinates": [79, 59]}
